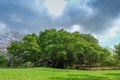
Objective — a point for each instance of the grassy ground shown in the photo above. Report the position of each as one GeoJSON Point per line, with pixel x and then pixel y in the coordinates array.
{"type": "Point", "coordinates": [58, 74]}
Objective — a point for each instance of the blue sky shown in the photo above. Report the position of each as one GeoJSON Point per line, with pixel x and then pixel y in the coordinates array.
{"type": "Point", "coordinates": [98, 17]}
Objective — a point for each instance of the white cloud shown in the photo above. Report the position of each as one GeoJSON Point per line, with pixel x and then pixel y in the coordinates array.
{"type": "Point", "coordinates": [111, 36]}
{"type": "Point", "coordinates": [55, 7]}
{"type": "Point", "coordinates": [113, 31]}
{"type": "Point", "coordinates": [75, 28]}
{"type": "Point", "coordinates": [83, 5]}
{"type": "Point", "coordinates": [37, 2]}
{"type": "Point", "coordinates": [2, 26]}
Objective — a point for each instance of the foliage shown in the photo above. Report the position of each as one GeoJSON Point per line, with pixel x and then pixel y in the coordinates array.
{"type": "Point", "coordinates": [25, 50]}
{"type": "Point", "coordinates": [3, 61]}
{"type": "Point", "coordinates": [59, 49]}
{"type": "Point", "coordinates": [117, 50]}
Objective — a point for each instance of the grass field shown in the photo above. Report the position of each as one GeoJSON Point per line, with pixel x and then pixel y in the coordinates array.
{"type": "Point", "coordinates": [58, 74]}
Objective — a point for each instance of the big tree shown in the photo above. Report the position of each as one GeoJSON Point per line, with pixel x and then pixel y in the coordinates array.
{"type": "Point", "coordinates": [62, 49]}
{"type": "Point", "coordinates": [59, 49]}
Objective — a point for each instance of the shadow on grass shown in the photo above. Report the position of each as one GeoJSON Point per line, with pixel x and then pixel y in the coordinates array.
{"type": "Point", "coordinates": [79, 77]}
{"type": "Point", "coordinates": [113, 74]}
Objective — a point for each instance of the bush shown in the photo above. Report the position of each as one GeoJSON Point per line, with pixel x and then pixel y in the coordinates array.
{"type": "Point", "coordinates": [3, 61]}
{"type": "Point", "coordinates": [26, 65]}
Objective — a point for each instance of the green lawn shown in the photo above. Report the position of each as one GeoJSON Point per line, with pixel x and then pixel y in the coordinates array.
{"type": "Point", "coordinates": [58, 74]}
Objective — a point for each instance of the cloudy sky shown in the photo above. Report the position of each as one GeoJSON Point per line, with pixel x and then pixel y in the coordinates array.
{"type": "Point", "coordinates": [98, 17]}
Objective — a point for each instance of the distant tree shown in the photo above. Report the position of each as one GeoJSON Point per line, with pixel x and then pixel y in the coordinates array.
{"type": "Point", "coordinates": [15, 54]}
{"type": "Point", "coordinates": [7, 38]}
{"type": "Point", "coordinates": [26, 50]}
{"type": "Point", "coordinates": [117, 50]}
{"type": "Point", "coordinates": [32, 51]}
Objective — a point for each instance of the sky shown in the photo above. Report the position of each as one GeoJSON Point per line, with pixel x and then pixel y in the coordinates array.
{"type": "Point", "coordinates": [101, 18]}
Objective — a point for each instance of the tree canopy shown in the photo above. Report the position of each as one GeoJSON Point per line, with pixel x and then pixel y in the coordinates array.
{"type": "Point", "coordinates": [59, 49]}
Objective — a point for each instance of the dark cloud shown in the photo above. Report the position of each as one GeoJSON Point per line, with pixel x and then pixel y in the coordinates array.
{"type": "Point", "coordinates": [104, 13]}
{"type": "Point", "coordinates": [27, 11]}
{"type": "Point", "coordinates": [29, 16]}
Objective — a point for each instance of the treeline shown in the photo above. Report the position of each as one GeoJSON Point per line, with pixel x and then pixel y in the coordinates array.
{"type": "Point", "coordinates": [58, 49]}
